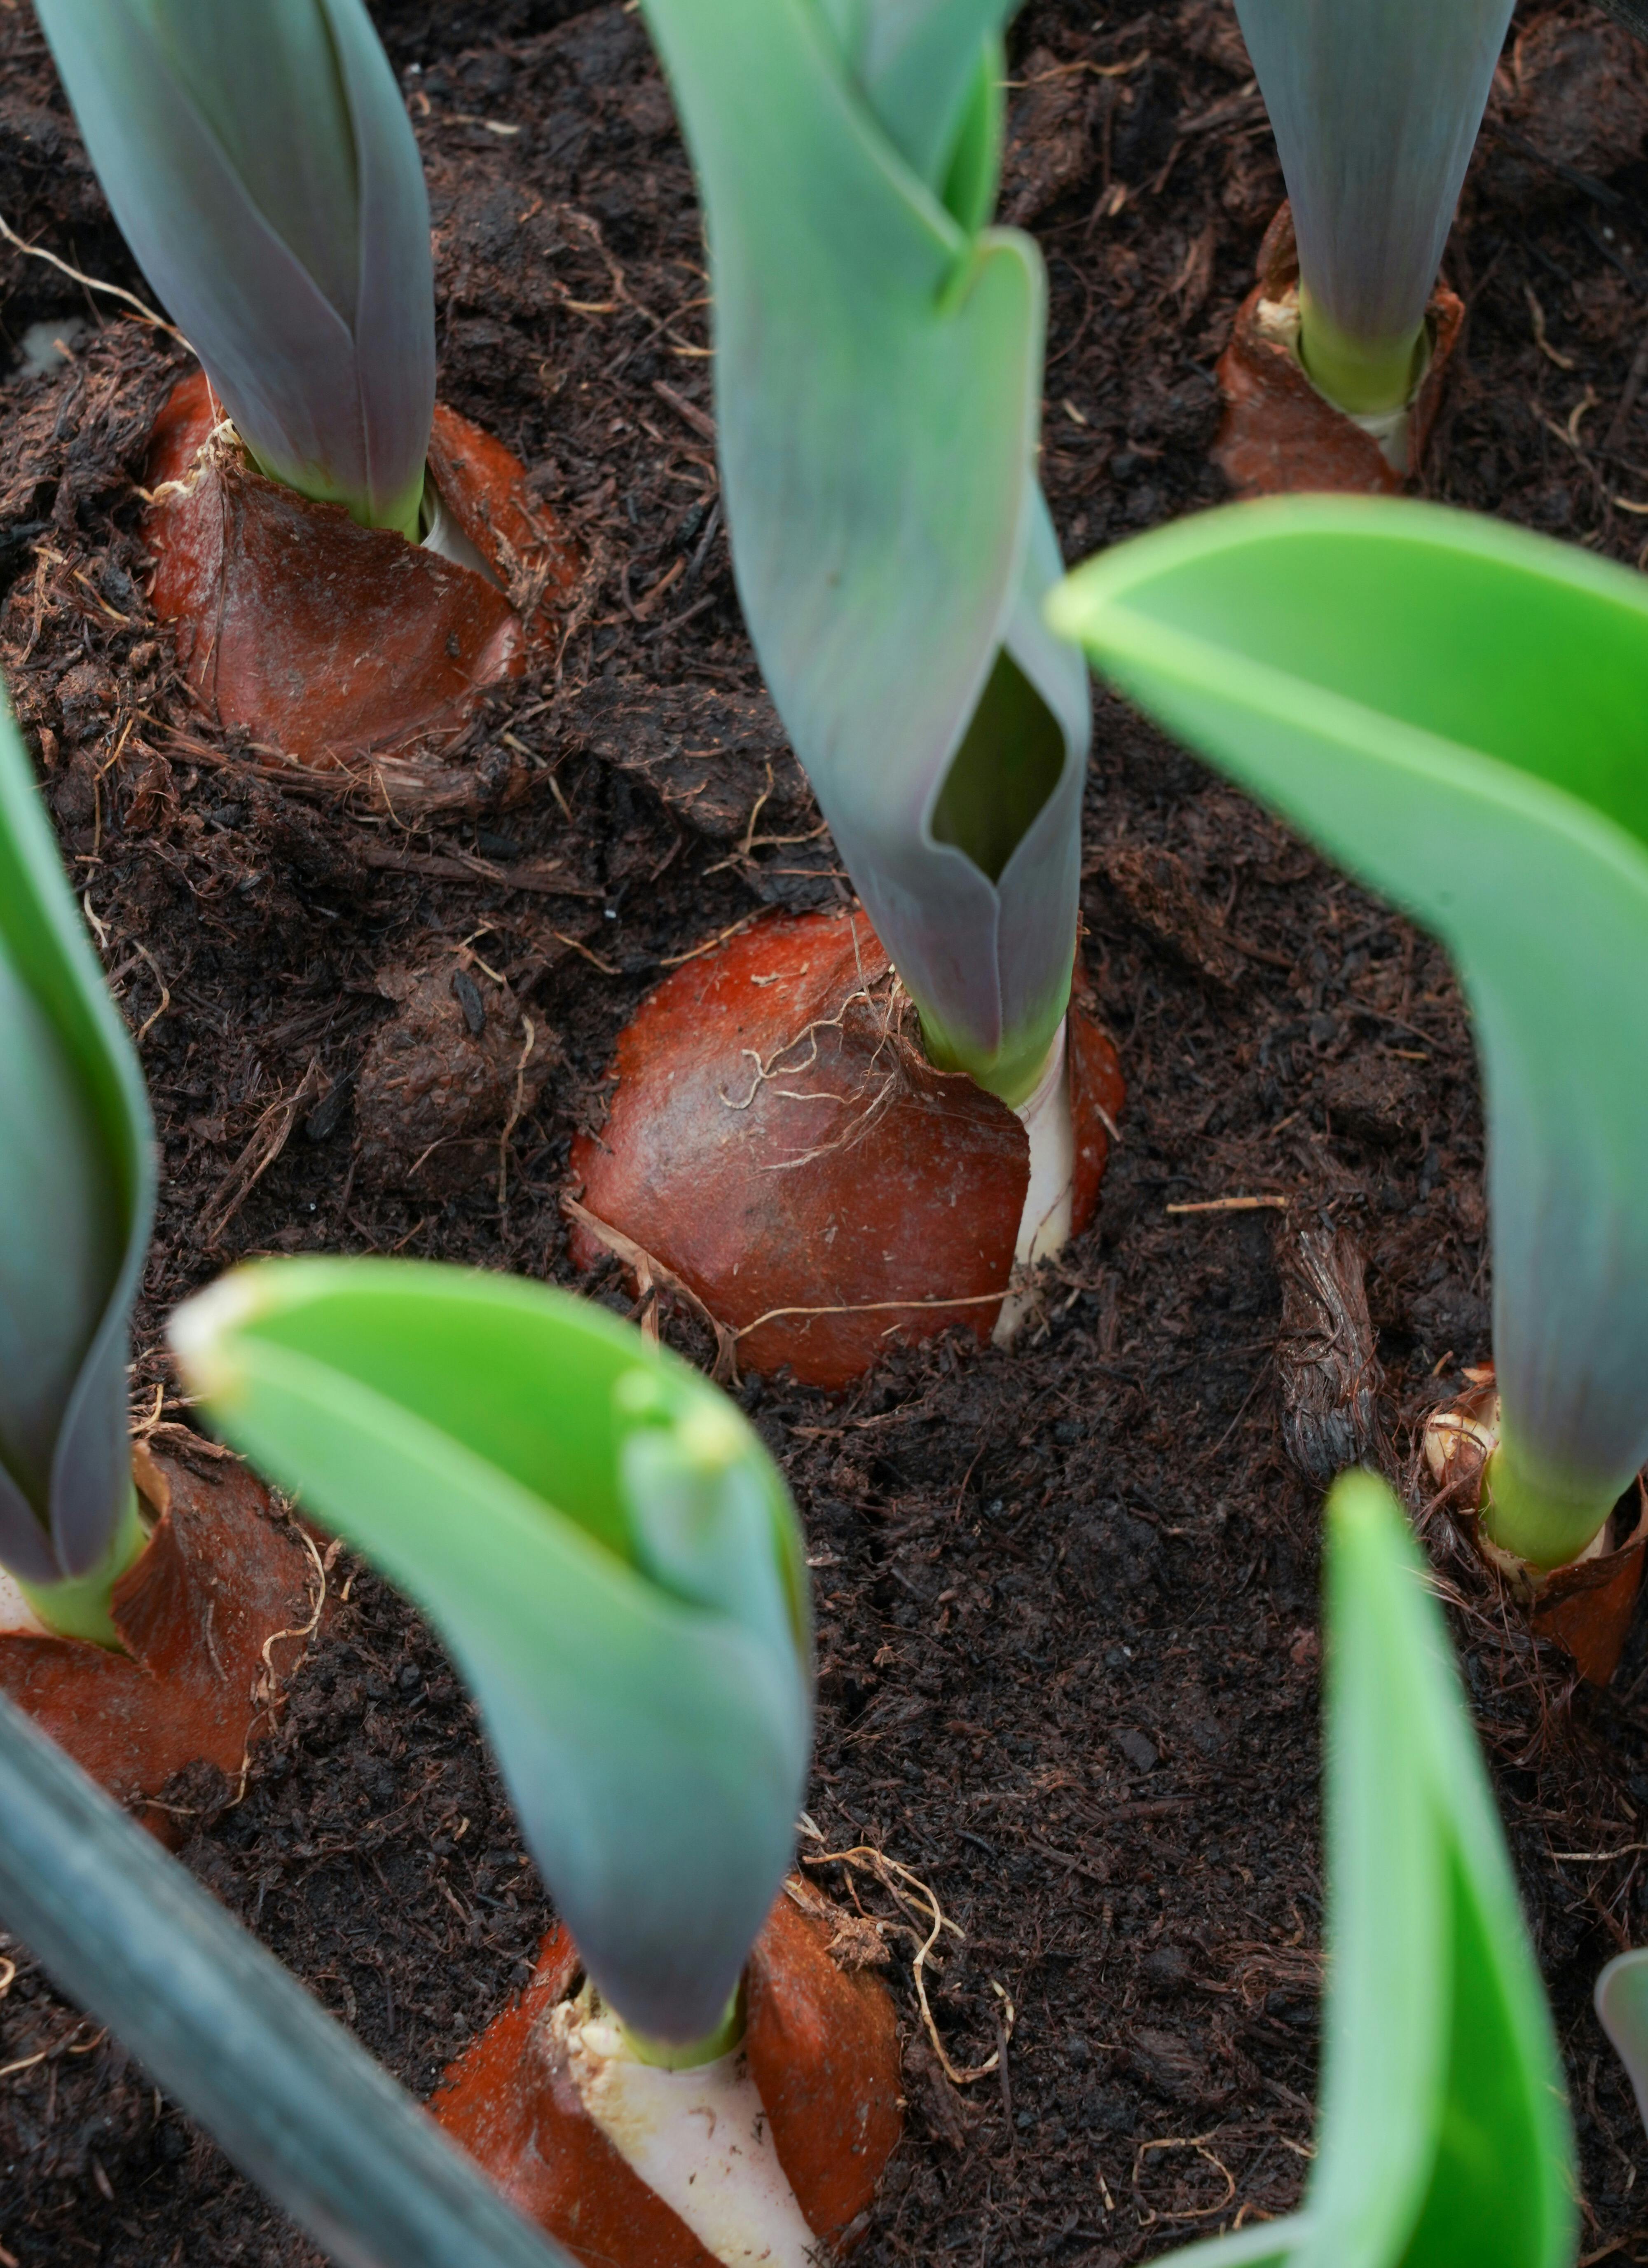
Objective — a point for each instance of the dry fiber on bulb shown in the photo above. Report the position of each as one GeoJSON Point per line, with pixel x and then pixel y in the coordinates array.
{"type": "Point", "coordinates": [779, 1141]}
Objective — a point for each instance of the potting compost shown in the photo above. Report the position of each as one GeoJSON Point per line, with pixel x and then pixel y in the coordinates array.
{"type": "Point", "coordinates": [1066, 1590]}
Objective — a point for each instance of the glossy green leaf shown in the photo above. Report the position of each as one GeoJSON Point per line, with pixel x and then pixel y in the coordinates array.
{"type": "Point", "coordinates": [1376, 106]}
{"type": "Point", "coordinates": [877, 390]}
{"type": "Point", "coordinates": [261, 166]}
{"type": "Point", "coordinates": [76, 1195]}
{"type": "Point", "coordinates": [606, 1548]}
{"type": "Point", "coordinates": [1443, 2140]}
{"type": "Point", "coordinates": [1455, 710]}
{"type": "Point", "coordinates": [294, 2101]}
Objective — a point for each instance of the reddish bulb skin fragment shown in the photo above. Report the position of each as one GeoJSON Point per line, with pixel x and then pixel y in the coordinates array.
{"type": "Point", "coordinates": [775, 1143]}
{"type": "Point", "coordinates": [220, 1577]}
{"type": "Point", "coordinates": [823, 2047]}
{"type": "Point", "coordinates": [330, 642]}
{"type": "Point", "coordinates": [1279, 436]}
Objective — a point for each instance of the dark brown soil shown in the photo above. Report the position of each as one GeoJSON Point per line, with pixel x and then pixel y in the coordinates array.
{"type": "Point", "coordinates": [1068, 1594]}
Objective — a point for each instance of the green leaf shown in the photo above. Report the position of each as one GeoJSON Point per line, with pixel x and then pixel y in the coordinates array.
{"type": "Point", "coordinates": [1454, 710]}
{"type": "Point", "coordinates": [1443, 2140]}
{"type": "Point", "coordinates": [76, 1196]}
{"type": "Point", "coordinates": [1376, 106]}
{"type": "Point", "coordinates": [878, 377]}
{"type": "Point", "coordinates": [261, 163]}
{"type": "Point", "coordinates": [295, 2102]}
{"type": "Point", "coordinates": [920, 67]}
{"type": "Point", "coordinates": [607, 1550]}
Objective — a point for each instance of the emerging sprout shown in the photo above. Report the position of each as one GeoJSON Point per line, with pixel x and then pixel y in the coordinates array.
{"type": "Point", "coordinates": [1375, 109]}
{"type": "Point", "coordinates": [610, 1555]}
{"type": "Point", "coordinates": [77, 1194]}
{"type": "Point", "coordinates": [1455, 710]}
{"type": "Point", "coordinates": [878, 387]}
{"type": "Point", "coordinates": [259, 161]}
{"type": "Point", "coordinates": [1443, 2140]}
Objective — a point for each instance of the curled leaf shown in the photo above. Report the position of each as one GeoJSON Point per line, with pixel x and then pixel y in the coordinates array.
{"type": "Point", "coordinates": [76, 1195]}
{"type": "Point", "coordinates": [877, 376]}
{"type": "Point", "coordinates": [1442, 2139]}
{"type": "Point", "coordinates": [607, 1550]}
{"type": "Point", "coordinates": [1454, 710]}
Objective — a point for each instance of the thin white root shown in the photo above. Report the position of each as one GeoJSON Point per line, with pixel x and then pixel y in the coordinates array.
{"type": "Point", "coordinates": [1044, 1226]}
{"type": "Point", "coordinates": [699, 2139]}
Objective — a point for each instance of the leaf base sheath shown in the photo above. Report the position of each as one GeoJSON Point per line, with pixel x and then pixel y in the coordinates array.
{"type": "Point", "coordinates": [81, 1606]}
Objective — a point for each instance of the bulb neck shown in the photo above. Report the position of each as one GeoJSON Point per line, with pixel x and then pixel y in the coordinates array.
{"type": "Point", "coordinates": [676, 2055]}
{"type": "Point", "coordinates": [1366, 377]}
{"type": "Point", "coordinates": [1526, 1511]}
{"type": "Point", "coordinates": [82, 1607]}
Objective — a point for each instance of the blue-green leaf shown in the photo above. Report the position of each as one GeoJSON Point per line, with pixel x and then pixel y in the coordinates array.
{"type": "Point", "coordinates": [294, 2101]}
{"type": "Point", "coordinates": [261, 163]}
{"type": "Point", "coordinates": [1455, 710]}
{"type": "Point", "coordinates": [607, 1551]}
{"type": "Point", "coordinates": [1375, 106]}
{"type": "Point", "coordinates": [76, 1195]}
{"type": "Point", "coordinates": [877, 376]}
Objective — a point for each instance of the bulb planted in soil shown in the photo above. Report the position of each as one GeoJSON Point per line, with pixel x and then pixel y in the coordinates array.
{"type": "Point", "coordinates": [771, 2153]}
{"type": "Point", "coordinates": [1281, 434]}
{"type": "Point", "coordinates": [1584, 1607]}
{"type": "Point", "coordinates": [331, 642]}
{"type": "Point", "coordinates": [780, 1143]}
{"type": "Point", "coordinates": [213, 1613]}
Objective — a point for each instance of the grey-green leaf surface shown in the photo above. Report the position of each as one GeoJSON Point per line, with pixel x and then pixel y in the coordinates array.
{"type": "Point", "coordinates": [1443, 2140]}
{"type": "Point", "coordinates": [1375, 106]}
{"type": "Point", "coordinates": [261, 166]}
{"type": "Point", "coordinates": [878, 387]}
{"type": "Point", "coordinates": [1621, 2007]}
{"type": "Point", "coordinates": [76, 1196]}
{"type": "Point", "coordinates": [233, 2036]}
{"type": "Point", "coordinates": [1455, 710]}
{"type": "Point", "coordinates": [606, 1548]}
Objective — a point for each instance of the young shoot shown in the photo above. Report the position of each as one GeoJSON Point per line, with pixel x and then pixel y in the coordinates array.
{"type": "Point", "coordinates": [77, 1194]}
{"type": "Point", "coordinates": [261, 166]}
{"type": "Point", "coordinates": [1455, 710]}
{"type": "Point", "coordinates": [1442, 2139]}
{"type": "Point", "coordinates": [878, 389]}
{"type": "Point", "coordinates": [611, 1556]}
{"type": "Point", "coordinates": [1375, 109]}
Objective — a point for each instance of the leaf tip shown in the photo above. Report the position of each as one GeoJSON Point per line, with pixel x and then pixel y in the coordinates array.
{"type": "Point", "coordinates": [203, 1334]}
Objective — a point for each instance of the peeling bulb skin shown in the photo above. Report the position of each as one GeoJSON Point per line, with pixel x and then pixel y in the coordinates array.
{"type": "Point", "coordinates": [699, 2138]}
{"type": "Point", "coordinates": [1584, 1603]}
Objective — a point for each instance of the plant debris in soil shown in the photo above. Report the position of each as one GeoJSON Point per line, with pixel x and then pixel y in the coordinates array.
{"type": "Point", "coordinates": [1067, 1594]}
